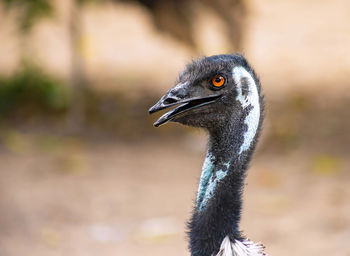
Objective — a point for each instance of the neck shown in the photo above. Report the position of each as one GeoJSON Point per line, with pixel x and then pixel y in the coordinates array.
{"type": "Point", "coordinates": [219, 200]}
{"type": "Point", "coordinates": [218, 206]}
{"type": "Point", "coordinates": [222, 158]}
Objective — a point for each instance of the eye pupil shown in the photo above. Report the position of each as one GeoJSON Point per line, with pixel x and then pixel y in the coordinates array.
{"type": "Point", "coordinates": [218, 81]}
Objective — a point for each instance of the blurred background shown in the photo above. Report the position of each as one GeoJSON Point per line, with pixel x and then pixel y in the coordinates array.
{"type": "Point", "coordinates": [84, 172]}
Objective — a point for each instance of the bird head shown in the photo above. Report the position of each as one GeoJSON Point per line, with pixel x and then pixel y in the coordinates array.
{"type": "Point", "coordinates": [207, 92]}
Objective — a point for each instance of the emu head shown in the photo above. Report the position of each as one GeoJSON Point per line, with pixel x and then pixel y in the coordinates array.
{"type": "Point", "coordinates": [210, 91]}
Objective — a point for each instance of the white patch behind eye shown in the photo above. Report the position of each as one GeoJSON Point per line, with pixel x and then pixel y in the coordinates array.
{"type": "Point", "coordinates": [251, 99]}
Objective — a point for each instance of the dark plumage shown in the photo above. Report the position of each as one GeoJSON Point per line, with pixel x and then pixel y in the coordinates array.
{"type": "Point", "coordinates": [232, 113]}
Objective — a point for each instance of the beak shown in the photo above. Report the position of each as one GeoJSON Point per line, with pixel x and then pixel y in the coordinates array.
{"type": "Point", "coordinates": [178, 95]}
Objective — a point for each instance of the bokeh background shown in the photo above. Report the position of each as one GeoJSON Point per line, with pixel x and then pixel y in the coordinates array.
{"type": "Point", "coordinates": [84, 172]}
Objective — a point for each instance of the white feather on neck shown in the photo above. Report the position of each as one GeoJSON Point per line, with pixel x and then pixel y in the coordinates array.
{"type": "Point", "coordinates": [251, 99]}
{"type": "Point", "coordinates": [240, 248]}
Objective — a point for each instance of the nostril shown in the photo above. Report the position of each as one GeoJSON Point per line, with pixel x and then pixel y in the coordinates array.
{"type": "Point", "coordinates": [170, 100]}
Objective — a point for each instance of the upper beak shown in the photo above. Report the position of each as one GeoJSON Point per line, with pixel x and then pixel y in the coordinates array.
{"type": "Point", "coordinates": [179, 95]}
{"type": "Point", "coordinates": [168, 100]}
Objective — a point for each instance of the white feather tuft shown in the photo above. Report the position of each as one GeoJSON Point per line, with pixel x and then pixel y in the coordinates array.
{"type": "Point", "coordinates": [240, 248]}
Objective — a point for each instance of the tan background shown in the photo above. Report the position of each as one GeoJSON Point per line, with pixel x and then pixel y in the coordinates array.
{"type": "Point", "coordinates": [101, 195]}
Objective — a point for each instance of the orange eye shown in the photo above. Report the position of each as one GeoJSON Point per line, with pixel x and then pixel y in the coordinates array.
{"type": "Point", "coordinates": [218, 81]}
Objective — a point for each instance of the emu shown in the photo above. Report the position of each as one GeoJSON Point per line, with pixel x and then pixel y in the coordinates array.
{"type": "Point", "coordinates": [221, 94]}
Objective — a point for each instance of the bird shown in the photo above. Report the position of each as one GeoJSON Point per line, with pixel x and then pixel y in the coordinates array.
{"type": "Point", "coordinates": [222, 95]}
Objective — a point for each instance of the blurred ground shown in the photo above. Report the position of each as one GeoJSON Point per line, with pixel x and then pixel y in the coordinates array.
{"type": "Point", "coordinates": [64, 196]}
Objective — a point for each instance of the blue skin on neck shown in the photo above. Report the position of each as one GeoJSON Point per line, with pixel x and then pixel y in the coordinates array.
{"type": "Point", "coordinates": [209, 179]}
